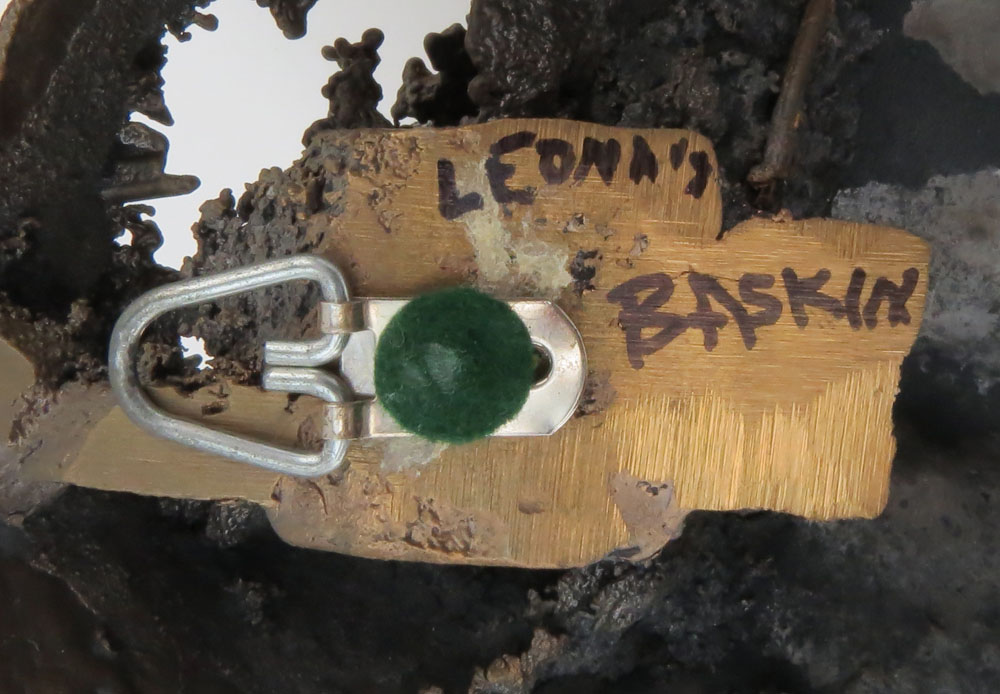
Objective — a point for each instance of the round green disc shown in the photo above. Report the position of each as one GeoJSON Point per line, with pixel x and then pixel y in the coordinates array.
{"type": "Point", "coordinates": [454, 365]}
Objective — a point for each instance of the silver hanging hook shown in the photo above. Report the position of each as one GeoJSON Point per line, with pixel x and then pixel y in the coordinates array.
{"type": "Point", "coordinates": [351, 329]}
{"type": "Point", "coordinates": [150, 306]}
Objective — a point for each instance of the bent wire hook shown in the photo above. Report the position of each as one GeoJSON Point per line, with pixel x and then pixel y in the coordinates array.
{"type": "Point", "coordinates": [352, 411]}
{"type": "Point", "coordinates": [310, 353]}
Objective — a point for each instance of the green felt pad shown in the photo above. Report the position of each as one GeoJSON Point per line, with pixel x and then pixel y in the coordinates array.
{"type": "Point", "coordinates": [454, 365]}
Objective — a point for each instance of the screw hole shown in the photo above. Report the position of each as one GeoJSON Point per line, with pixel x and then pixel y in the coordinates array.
{"type": "Point", "coordinates": [543, 364]}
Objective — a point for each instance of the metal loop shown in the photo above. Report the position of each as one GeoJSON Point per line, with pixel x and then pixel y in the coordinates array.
{"type": "Point", "coordinates": [150, 306]}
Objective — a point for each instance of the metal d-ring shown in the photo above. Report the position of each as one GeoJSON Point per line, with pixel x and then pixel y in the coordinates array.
{"type": "Point", "coordinates": [353, 410]}
{"type": "Point", "coordinates": [141, 410]}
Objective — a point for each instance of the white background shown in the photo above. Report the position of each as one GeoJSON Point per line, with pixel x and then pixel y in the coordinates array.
{"type": "Point", "coordinates": [242, 96]}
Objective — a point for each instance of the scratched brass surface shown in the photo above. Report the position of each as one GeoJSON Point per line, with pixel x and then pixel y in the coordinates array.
{"type": "Point", "coordinates": [799, 423]}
